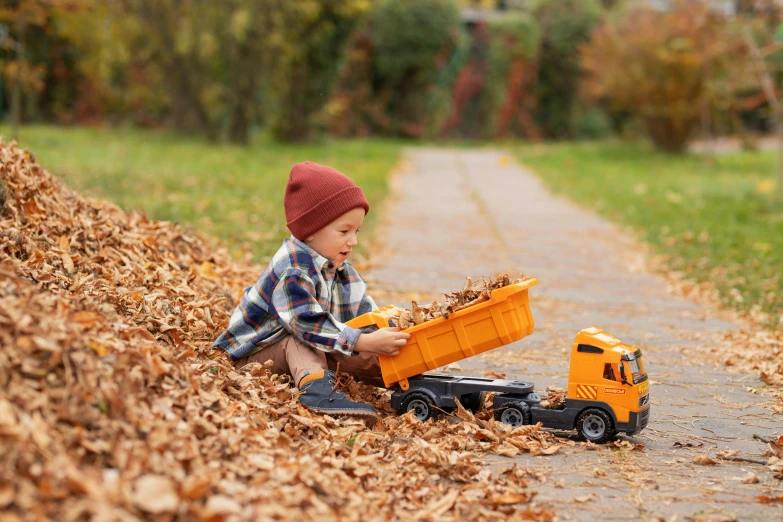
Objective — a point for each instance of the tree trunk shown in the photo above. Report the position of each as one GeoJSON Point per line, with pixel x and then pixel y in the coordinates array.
{"type": "Point", "coordinates": [671, 134]}
{"type": "Point", "coordinates": [239, 132]}
{"type": "Point", "coordinates": [243, 98]}
{"type": "Point", "coordinates": [293, 122]}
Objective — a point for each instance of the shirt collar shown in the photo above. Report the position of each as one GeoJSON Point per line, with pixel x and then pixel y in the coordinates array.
{"type": "Point", "coordinates": [320, 261]}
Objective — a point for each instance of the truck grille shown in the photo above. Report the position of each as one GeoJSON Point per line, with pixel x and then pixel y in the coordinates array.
{"type": "Point", "coordinates": [644, 400]}
{"type": "Point", "coordinates": [644, 418]}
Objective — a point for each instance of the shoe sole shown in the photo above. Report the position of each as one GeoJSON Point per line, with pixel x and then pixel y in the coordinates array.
{"type": "Point", "coordinates": [353, 413]}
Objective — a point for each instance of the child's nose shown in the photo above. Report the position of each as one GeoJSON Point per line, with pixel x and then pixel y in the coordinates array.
{"type": "Point", "coordinates": [353, 240]}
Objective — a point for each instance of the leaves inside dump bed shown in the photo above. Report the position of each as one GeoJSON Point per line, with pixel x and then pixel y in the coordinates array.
{"type": "Point", "coordinates": [114, 407]}
{"type": "Point", "coordinates": [473, 293]}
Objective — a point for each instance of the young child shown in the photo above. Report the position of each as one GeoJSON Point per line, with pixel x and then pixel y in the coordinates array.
{"type": "Point", "coordinates": [295, 314]}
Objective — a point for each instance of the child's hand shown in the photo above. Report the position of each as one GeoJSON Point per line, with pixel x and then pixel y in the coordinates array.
{"type": "Point", "coordinates": [384, 341]}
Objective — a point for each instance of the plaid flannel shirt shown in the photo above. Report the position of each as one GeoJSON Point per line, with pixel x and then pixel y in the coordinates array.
{"type": "Point", "coordinates": [300, 294]}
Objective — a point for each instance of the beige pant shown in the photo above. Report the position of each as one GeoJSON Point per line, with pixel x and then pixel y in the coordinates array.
{"type": "Point", "coordinates": [294, 358]}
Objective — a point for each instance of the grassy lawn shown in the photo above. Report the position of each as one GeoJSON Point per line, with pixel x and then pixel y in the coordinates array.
{"type": "Point", "coordinates": [233, 193]}
{"type": "Point", "coordinates": [719, 219]}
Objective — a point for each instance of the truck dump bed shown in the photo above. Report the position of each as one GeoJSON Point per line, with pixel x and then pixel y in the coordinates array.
{"type": "Point", "coordinates": [505, 318]}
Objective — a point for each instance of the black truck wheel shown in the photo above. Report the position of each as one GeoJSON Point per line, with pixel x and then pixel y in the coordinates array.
{"type": "Point", "coordinates": [421, 403]}
{"type": "Point", "coordinates": [595, 425]}
{"type": "Point", "coordinates": [514, 414]}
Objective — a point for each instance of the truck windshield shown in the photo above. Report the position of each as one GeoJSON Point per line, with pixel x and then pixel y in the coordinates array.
{"type": "Point", "coordinates": [636, 372]}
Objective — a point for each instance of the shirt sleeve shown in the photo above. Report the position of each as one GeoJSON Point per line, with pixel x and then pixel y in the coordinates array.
{"type": "Point", "coordinates": [294, 299]}
{"type": "Point", "coordinates": [367, 305]}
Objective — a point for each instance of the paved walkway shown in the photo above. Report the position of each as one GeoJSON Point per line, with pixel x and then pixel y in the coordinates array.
{"type": "Point", "coordinates": [458, 213]}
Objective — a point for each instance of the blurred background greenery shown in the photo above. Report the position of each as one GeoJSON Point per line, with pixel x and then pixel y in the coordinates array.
{"type": "Point", "coordinates": [660, 114]}
{"type": "Point", "coordinates": [476, 69]}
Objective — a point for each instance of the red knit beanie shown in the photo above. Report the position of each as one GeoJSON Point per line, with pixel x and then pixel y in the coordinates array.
{"type": "Point", "coordinates": [316, 195]}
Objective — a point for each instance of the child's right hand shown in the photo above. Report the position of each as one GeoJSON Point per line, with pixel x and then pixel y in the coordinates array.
{"type": "Point", "coordinates": [384, 341]}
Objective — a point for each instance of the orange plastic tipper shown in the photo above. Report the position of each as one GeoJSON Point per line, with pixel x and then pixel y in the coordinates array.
{"type": "Point", "coordinates": [503, 319]}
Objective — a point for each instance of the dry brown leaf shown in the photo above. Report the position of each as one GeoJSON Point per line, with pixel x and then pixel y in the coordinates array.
{"type": "Point", "coordinates": [679, 444]}
{"type": "Point", "coordinates": [7, 494]}
{"type": "Point", "coordinates": [439, 507]}
{"type": "Point", "coordinates": [750, 478]}
{"type": "Point", "coordinates": [727, 454]}
{"type": "Point", "coordinates": [68, 265]}
{"type": "Point", "coordinates": [704, 460]}
{"type": "Point", "coordinates": [775, 448]}
{"type": "Point", "coordinates": [221, 505]}
{"type": "Point", "coordinates": [155, 494]}
{"type": "Point", "coordinates": [507, 499]}
{"type": "Point", "coordinates": [195, 486]}
{"type": "Point", "coordinates": [551, 450]}
{"type": "Point", "coordinates": [628, 445]}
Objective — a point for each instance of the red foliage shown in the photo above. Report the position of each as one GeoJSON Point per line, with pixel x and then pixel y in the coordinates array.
{"type": "Point", "coordinates": [471, 78]}
{"type": "Point", "coordinates": [355, 108]}
{"type": "Point", "coordinates": [511, 112]}
{"type": "Point", "coordinates": [519, 100]}
{"type": "Point", "coordinates": [469, 84]}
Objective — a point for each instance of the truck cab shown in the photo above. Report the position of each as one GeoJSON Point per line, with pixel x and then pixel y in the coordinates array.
{"type": "Point", "coordinates": [608, 392]}
{"type": "Point", "coordinates": [608, 374]}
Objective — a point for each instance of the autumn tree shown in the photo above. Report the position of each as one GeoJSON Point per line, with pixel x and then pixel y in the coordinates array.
{"type": "Point", "coordinates": [663, 67]}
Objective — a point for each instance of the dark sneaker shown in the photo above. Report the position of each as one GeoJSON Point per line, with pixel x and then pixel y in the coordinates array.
{"type": "Point", "coordinates": [320, 394]}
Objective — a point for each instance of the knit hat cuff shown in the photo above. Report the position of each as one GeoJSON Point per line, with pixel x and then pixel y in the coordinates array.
{"type": "Point", "coordinates": [327, 211]}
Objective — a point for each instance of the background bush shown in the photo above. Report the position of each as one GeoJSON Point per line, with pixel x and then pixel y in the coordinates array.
{"type": "Point", "coordinates": [514, 68]}
{"type": "Point", "coordinates": [388, 67]}
{"type": "Point", "coordinates": [665, 68]}
{"type": "Point", "coordinates": [565, 25]}
{"type": "Point", "coordinates": [390, 77]}
{"type": "Point", "coordinates": [317, 33]}
{"type": "Point", "coordinates": [493, 91]}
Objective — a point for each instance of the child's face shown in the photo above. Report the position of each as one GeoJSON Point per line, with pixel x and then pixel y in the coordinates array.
{"type": "Point", "coordinates": [336, 240]}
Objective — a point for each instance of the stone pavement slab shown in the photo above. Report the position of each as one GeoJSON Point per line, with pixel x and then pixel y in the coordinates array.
{"type": "Point", "coordinates": [458, 213]}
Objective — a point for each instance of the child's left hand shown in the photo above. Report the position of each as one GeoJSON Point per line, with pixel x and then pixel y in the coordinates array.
{"type": "Point", "coordinates": [384, 341]}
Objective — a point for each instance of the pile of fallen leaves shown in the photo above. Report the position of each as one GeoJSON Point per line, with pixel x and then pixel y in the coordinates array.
{"type": "Point", "coordinates": [113, 406]}
{"type": "Point", "coordinates": [757, 350]}
{"type": "Point", "coordinates": [473, 293]}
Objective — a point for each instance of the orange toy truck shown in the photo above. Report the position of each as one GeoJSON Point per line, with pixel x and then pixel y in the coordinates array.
{"type": "Point", "coordinates": [607, 384]}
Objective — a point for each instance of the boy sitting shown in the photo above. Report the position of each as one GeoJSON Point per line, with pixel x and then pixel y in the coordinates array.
{"type": "Point", "coordinates": [295, 314]}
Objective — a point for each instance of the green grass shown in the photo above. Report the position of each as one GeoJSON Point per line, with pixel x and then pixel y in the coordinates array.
{"type": "Point", "coordinates": [233, 193]}
{"type": "Point", "coordinates": [718, 219]}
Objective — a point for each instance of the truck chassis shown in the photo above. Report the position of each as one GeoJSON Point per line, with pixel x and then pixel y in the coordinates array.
{"type": "Point", "coordinates": [516, 403]}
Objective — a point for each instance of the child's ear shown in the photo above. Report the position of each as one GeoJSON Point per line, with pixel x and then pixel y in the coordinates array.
{"type": "Point", "coordinates": [307, 240]}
